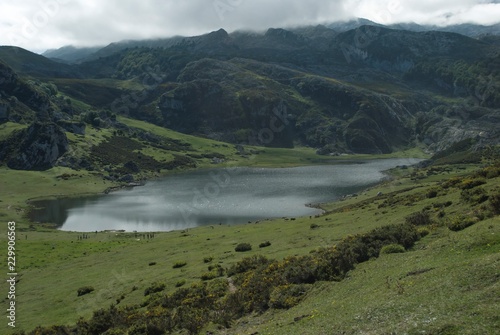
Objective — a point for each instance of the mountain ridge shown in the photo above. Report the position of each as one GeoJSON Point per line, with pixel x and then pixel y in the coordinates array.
{"type": "Point", "coordinates": [367, 90]}
{"type": "Point", "coordinates": [70, 53]}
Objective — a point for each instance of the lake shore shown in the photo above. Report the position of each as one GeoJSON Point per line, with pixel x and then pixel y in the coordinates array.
{"type": "Point", "coordinates": [219, 196]}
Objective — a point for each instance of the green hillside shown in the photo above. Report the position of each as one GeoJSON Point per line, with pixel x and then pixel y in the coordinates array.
{"type": "Point", "coordinates": [422, 289]}
{"type": "Point", "coordinates": [417, 254]}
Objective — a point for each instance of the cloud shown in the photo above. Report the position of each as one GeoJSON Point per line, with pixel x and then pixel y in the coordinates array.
{"type": "Point", "coordinates": [41, 24]}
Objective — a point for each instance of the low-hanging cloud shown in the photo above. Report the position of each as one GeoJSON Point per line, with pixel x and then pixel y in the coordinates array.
{"type": "Point", "coordinates": [41, 24]}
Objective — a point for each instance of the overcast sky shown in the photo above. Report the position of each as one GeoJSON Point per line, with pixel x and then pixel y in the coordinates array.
{"type": "Point", "coordinates": [38, 25]}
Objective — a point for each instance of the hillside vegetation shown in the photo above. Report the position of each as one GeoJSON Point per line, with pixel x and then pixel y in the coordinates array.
{"type": "Point", "coordinates": [365, 90]}
{"type": "Point", "coordinates": [416, 255]}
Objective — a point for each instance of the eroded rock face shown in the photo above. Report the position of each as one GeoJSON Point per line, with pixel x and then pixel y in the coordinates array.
{"type": "Point", "coordinates": [36, 148]}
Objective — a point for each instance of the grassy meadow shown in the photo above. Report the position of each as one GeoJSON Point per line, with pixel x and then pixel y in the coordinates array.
{"type": "Point", "coordinates": [447, 283]}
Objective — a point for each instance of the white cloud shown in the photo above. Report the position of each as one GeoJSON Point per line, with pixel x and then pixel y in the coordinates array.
{"type": "Point", "coordinates": [41, 24]}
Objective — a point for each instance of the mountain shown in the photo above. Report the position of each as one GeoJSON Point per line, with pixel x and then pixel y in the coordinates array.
{"type": "Point", "coordinates": [366, 90]}
{"type": "Point", "coordinates": [467, 29]}
{"type": "Point", "coordinates": [70, 54]}
{"type": "Point", "coordinates": [28, 63]}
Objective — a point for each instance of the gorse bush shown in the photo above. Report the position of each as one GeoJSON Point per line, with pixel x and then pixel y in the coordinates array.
{"type": "Point", "coordinates": [423, 231]}
{"type": "Point", "coordinates": [243, 247]}
{"type": "Point", "coordinates": [180, 283]}
{"type": "Point", "coordinates": [84, 290]}
{"type": "Point", "coordinates": [247, 264]}
{"type": "Point", "coordinates": [287, 296]}
{"type": "Point", "coordinates": [419, 219]}
{"type": "Point", "coordinates": [461, 222]}
{"type": "Point", "coordinates": [495, 203]}
{"type": "Point", "coordinates": [214, 272]}
{"type": "Point", "coordinates": [256, 285]}
{"type": "Point", "coordinates": [154, 288]}
{"type": "Point", "coordinates": [474, 196]}
{"type": "Point", "coordinates": [392, 249]}
{"type": "Point", "coordinates": [179, 264]}
{"type": "Point", "coordinates": [468, 184]}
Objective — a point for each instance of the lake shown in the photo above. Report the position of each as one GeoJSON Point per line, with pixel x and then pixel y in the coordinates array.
{"type": "Point", "coordinates": [215, 196]}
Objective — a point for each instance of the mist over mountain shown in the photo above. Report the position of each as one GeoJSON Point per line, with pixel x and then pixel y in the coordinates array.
{"type": "Point", "coordinates": [343, 88]}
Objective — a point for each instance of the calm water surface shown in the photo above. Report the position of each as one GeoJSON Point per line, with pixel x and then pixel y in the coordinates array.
{"type": "Point", "coordinates": [210, 197]}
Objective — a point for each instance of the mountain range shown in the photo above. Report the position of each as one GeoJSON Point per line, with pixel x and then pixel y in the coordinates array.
{"type": "Point", "coordinates": [341, 88]}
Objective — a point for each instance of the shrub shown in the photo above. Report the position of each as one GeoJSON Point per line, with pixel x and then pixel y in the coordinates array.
{"type": "Point", "coordinates": [180, 283]}
{"type": "Point", "coordinates": [247, 264]}
{"type": "Point", "coordinates": [84, 290]}
{"type": "Point", "coordinates": [392, 249]}
{"type": "Point", "coordinates": [419, 219]}
{"type": "Point", "coordinates": [299, 270]}
{"type": "Point", "coordinates": [314, 226]}
{"type": "Point", "coordinates": [474, 196]}
{"type": "Point", "coordinates": [208, 259]}
{"type": "Point", "coordinates": [264, 244]}
{"type": "Point", "coordinates": [209, 275]}
{"type": "Point", "coordinates": [214, 272]}
{"type": "Point", "coordinates": [423, 231]}
{"type": "Point", "coordinates": [495, 203]}
{"type": "Point", "coordinates": [179, 264]}
{"type": "Point", "coordinates": [242, 247]}
{"type": "Point", "coordinates": [432, 194]}
{"type": "Point", "coordinates": [152, 263]}
{"type": "Point", "coordinates": [468, 184]}
{"type": "Point", "coordinates": [154, 288]}
{"type": "Point", "coordinates": [461, 222]}
{"type": "Point", "coordinates": [287, 296]}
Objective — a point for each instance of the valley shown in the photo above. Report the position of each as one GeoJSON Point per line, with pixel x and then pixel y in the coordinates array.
{"type": "Point", "coordinates": [414, 253]}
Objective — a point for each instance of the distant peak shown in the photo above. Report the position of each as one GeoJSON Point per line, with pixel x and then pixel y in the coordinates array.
{"type": "Point", "coordinates": [219, 33]}
{"type": "Point", "coordinates": [282, 34]}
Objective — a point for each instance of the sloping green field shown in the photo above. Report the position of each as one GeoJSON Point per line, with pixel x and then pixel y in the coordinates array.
{"type": "Point", "coordinates": [446, 284]}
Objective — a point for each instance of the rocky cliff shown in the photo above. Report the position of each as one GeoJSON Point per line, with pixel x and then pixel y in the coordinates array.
{"type": "Point", "coordinates": [36, 148]}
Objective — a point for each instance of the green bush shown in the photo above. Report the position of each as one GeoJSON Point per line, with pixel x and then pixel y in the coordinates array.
{"type": "Point", "coordinates": [208, 259]}
{"type": "Point", "coordinates": [461, 222]}
{"type": "Point", "coordinates": [423, 231]}
{"type": "Point", "coordinates": [314, 226]}
{"type": "Point", "coordinates": [215, 271]}
{"type": "Point", "coordinates": [154, 288]}
{"type": "Point", "coordinates": [392, 249]}
{"type": "Point", "coordinates": [84, 290]}
{"type": "Point", "coordinates": [287, 296]}
{"type": "Point", "coordinates": [242, 247]}
{"type": "Point", "coordinates": [419, 219]}
{"type": "Point", "coordinates": [495, 203]}
{"type": "Point", "coordinates": [179, 264]}
{"type": "Point", "coordinates": [247, 264]}
{"type": "Point", "coordinates": [468, 184]}
{"type": "Point", "coordinates": [180, 283]}
{"type": "Point", "coordinates": [432, 193]}
{"type": "Point", "coordinates": [264, 244]}
{"type": "Point", "coordinates": [299, 270]}
{"type": "Point", "coordinates": [260, 284]}
{"type": "Point", "coordinates": [209, 275]}
{"type": "Point", "coordinates": [474, 196]}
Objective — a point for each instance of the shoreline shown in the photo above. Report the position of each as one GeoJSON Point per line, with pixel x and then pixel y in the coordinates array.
{"type": "Point", "coordinates": [317, 206]}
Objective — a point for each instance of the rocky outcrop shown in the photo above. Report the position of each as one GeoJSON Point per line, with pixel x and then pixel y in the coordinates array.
{"type": "Point", "coordinates": [4, 113]}
{"type": "Point", "coordinates": [36, 148]}
{"type": "Point", "coordinates": [73, 127]}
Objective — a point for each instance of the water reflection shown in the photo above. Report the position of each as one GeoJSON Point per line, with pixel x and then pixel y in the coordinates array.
{"type": "Point", "coordinates": [216, 196]}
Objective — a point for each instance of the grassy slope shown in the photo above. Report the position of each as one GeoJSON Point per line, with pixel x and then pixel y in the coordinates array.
{"type": "Point", "coordinates": [54, 264]}
{"type": "Point", "coordinates": [379, 296]}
